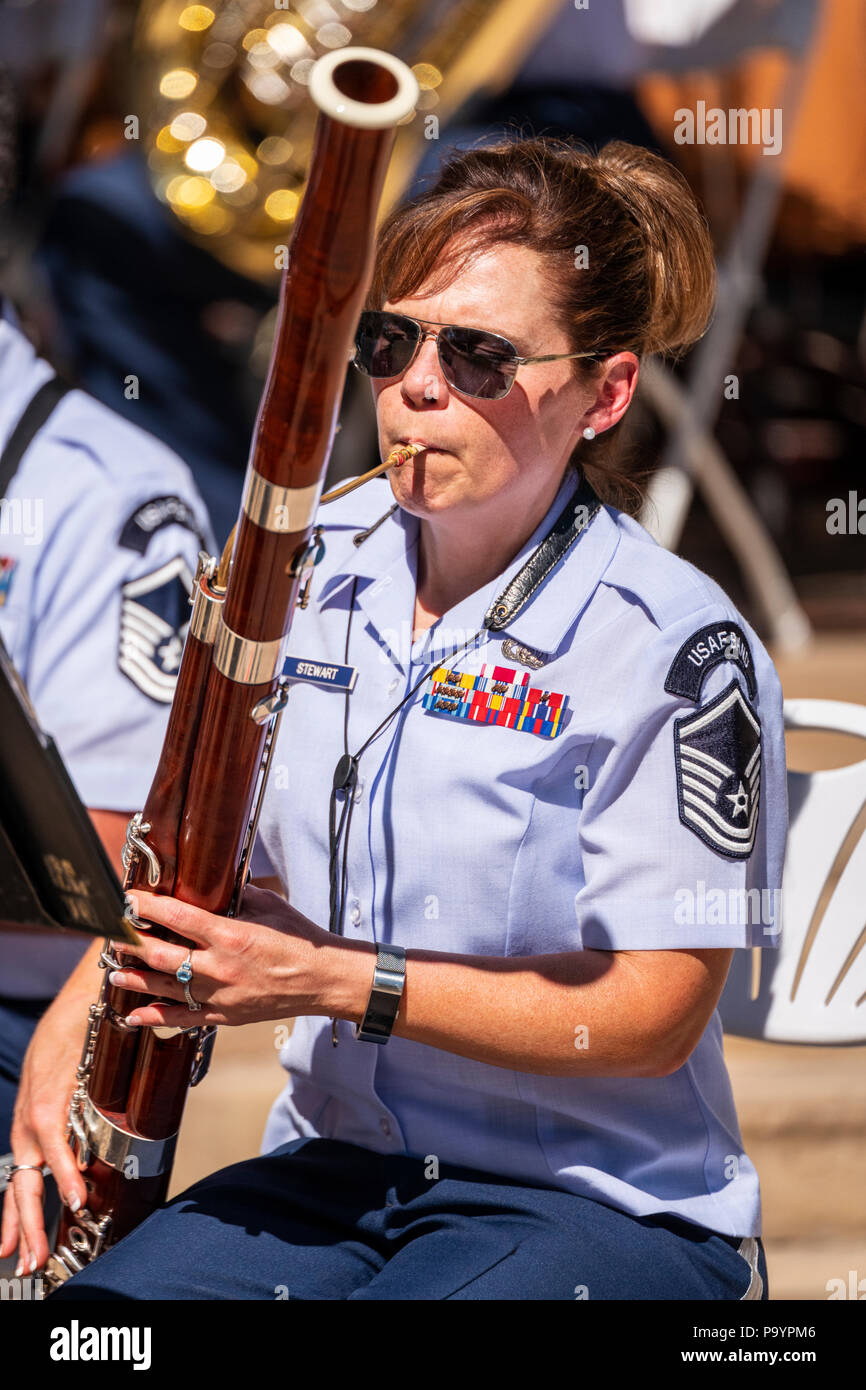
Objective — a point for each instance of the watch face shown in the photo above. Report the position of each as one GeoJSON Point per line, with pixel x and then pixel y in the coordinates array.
{"type": "Point", "coordinates": [388, 980]}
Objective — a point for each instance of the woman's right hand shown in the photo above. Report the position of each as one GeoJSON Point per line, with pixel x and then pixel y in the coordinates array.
{"type": "Point", "coordinates": [39, 1126]}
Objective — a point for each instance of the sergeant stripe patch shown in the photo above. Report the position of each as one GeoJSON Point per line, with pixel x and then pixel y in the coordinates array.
{"type": "Point", "coordinates": [154, 617]}
{"type": "Point", "coordinates": [718, 761]}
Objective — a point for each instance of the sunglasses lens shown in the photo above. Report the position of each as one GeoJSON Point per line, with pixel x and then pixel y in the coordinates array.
{"type": "Point", "coordinates": [384, 343]}
{"type": "Point", "coordinates": [477, 363]}
{"type": "Point", "coordinates": [473, 362]}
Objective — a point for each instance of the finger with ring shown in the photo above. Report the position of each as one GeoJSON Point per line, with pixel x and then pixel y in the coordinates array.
{"type": "Point", "coordinates": [10, 1169]}
{"type": "Point", "coordinates": [184, 975]}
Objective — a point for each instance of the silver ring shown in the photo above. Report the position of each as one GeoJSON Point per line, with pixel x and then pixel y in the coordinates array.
{"type": "Point", "coordinates": [13, 1168]}
{"type": "Point", "coordinates": [184, 974]}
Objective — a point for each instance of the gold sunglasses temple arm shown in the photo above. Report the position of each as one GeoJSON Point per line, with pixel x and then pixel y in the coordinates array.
{"type": "Point", "coordinates": [555, 357]}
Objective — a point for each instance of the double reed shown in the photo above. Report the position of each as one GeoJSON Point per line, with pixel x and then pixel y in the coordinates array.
{"type": "Point", "coordinates": [193, 837]}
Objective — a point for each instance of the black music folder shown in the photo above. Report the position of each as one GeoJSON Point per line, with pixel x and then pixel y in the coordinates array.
{"type": "Point", "coordinates": [54, 871]}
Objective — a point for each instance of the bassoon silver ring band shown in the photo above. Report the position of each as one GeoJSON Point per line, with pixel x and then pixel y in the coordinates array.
{"type": "Point", "coordinates": [247, 662]}
{"type": "Point", "coordinates": [279, 509]}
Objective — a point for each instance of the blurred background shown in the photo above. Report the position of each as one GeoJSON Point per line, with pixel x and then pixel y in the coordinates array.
{"type": "Point", "coordinates": [152, 159]}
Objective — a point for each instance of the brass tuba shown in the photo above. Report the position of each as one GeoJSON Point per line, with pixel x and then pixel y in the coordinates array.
{"type": "Point", "coordinates": [227, 124]}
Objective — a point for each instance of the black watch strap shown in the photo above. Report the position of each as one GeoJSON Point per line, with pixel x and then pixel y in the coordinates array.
{"type": "Point", "coordinates": [389, 978]}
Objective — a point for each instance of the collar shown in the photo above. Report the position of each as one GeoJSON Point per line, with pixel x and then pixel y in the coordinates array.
{"type": "Point", "coordinates": [385, 565]}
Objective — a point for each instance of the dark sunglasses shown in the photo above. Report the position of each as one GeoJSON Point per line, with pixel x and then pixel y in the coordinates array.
{"type": "Point", "coordinates": [473, 361]}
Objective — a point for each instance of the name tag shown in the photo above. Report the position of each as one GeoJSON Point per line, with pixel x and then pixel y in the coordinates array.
{"type": "Point", "coordinates": [495, 696]}
{"type": "Point", "coordinates": [299, 668]}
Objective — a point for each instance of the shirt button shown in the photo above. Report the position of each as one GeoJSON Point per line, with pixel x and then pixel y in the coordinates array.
{"type": "Point", "coordinates": [385, 1126]}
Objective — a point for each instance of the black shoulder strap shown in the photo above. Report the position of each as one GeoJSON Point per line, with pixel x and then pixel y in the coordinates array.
{"type": "Point", "coordinates": [34, 417]}
{"type": "Point", "coordinates": [580, 509]}
{"type": "Point", "coordinates": [361, 536]}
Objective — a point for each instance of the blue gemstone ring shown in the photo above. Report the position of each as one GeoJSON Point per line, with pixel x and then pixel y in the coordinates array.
{"type": "Point", "coordinates": [183, 975]}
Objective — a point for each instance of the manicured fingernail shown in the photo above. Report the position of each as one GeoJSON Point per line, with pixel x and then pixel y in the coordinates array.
{"type": "Point", "coordinates": [19, 1269]}
{"type": "Point", "coordinates": [33, 1265]}
{"type": "Point", "coordinates": [131, 902]}
{"type": "Point", "coordinates": [73, 1201]}
{"type": "Point", "coordinates": [115, 977]}
{"type": "Point", "coordinates": [133, 1021]}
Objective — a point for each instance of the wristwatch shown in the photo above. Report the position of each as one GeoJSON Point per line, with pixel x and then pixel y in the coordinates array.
{"type": "Point", "coordinates": [389, 978]}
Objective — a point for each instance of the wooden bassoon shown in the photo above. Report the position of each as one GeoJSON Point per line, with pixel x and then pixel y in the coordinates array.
{"type": "Point", "coordinates": [193, 837]}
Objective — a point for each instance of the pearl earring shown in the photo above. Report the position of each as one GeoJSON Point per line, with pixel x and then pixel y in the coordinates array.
{"type": "Point", "coordinates": [589, 432]}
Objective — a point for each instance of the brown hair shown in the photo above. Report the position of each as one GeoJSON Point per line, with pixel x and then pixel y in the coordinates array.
{"type": "Point", "coordinates": [648, 285]}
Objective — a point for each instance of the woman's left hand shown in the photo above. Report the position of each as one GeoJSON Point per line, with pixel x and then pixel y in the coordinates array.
{"type": "Point", "coordinates": [270, 962]}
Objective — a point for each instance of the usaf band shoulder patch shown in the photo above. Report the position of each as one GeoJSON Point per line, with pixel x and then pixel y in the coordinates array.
{"type": "Point", "coordinates": [705, 649]}
{"type": "Point", "coordinates": [718, 760]}
{"type": "Point", "coordinates": [150, 517]}
{"type": "Point", "coordinates": [154, 617]}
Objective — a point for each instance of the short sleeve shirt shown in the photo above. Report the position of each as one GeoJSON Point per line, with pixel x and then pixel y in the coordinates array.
{"type": "Point", "coordinates": [654, 817]}
{"type": "Point", "coordinates": [100, 531]}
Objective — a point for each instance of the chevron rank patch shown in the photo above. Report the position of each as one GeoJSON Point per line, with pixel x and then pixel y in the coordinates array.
{"type": "Point", "coordinates": [718, 761]}
{"type": "Point", "coordinates": [154, 617]}
{"type": "Point", "coordinates": [495, 697]}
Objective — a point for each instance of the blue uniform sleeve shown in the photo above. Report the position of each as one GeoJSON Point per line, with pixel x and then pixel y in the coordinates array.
{"type": "Point", "coordinates": [684, 819]}
{"type": "Point", "coordinates": [109, 608]}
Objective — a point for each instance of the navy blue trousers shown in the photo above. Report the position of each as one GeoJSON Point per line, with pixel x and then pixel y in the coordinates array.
{"type": "Point", "coordinates": [320, 1219]}
{"type": "Point", "coordinates": [18, 1020]}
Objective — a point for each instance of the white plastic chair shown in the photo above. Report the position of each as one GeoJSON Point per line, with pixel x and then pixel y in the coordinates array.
{"type": "Point", "coordinates": [812, 988]}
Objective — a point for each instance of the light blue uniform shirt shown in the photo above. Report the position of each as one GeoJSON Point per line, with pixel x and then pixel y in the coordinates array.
{"type": "Point", "coordinates": [99, 537]}
{"type": "Point", "coordinates": [625, 831]}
